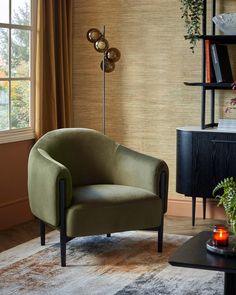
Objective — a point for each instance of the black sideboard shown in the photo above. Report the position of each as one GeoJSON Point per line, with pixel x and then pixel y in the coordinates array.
{"type": "Point", "coordinates": [204, 158]}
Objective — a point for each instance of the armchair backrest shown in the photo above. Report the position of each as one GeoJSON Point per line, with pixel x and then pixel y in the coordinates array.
{"type": "Point", "coordinates": [88, 154]}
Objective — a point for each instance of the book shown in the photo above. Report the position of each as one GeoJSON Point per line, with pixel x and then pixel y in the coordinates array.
{"type": "Point", "coordinates": [210, 73]}
{"type": "Point", "coordinates": [221, 63]}
{"type": "Point", "coordinates": [227, 124]}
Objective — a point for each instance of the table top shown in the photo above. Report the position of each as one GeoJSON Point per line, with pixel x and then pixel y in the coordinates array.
{"type": "Point", "coordinates": [194, 254]}
{"type": "Point", "coordinates": [212, 130]}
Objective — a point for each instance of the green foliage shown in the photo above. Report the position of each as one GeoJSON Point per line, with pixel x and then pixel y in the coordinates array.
{"type": "Point", "coordinates": [20, 104]}
{"type": "Point", "coordinates": [227, 187]}
{"type": "Point", "coordinates": [20, 56]}
{"type": "Point", "coordinates": [4, 117]}
{"type": "Point", "coordinates": [22, 16]}
{"type": "Point", "coordinates": [192, 11]}
{"type": "Point", "coordinates": [20, 40]}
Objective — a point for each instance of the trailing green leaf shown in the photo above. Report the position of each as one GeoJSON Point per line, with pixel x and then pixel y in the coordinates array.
{"type": "Point", "coordinates": [227, 198]}
{"type": "Point", "coordinates": [192, 11]}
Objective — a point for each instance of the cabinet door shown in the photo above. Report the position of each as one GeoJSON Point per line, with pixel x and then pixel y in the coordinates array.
{"type": "Point", "coordinates": [225, 158]}
{"type": "Point", "coordinates": [214, 158]}
{"type": "Point", "coordinates": [184, 162]}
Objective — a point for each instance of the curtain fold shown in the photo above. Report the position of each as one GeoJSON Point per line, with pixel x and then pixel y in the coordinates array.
{"type": "Point", "coordinates": [53, 85]}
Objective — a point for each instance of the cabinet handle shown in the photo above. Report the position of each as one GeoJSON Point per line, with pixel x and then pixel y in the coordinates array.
{"type": "Point", "coordinates": [223, 141]}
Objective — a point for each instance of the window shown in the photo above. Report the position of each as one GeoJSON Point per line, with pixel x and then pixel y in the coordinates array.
{"type": "Point", "coordinates": [16, 70]}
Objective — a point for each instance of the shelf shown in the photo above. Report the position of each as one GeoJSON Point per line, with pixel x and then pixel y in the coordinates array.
{"type": "Point", "coordinates": [208, 34]}
{"type": "Point", "coordinates": [210, 85]}
{"type": "Point", "coordinates": [226, 39]}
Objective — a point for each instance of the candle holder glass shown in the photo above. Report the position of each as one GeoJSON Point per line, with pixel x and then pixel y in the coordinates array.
{"type": "Point", "coordinates": [220, 236]}
{"type": "Point", "coordinates": [222, 242]}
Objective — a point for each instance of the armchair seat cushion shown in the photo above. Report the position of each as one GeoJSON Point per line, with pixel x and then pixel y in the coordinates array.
{"type": "Point", "coordinates": [107, 208]}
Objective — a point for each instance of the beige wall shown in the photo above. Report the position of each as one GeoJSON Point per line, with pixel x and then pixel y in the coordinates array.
{"type": "Point", "coordinates": [14, 206]}
{"type": "Point", "coordinates": [146, 98]}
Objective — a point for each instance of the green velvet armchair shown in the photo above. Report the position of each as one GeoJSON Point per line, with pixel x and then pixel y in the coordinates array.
{"type": "Point", "coordinates": [84, 183]}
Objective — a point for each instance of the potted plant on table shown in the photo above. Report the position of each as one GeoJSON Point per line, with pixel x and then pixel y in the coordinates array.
{"type": "Point", "coordinates": [227, 198]}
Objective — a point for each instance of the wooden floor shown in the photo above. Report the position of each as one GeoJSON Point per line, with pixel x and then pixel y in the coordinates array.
{"type": "Point", "coordinates": [174, 225]}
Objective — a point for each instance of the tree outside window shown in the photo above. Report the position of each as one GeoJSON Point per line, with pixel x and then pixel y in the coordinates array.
{"type": "Point", "coordinates": [15, 64]}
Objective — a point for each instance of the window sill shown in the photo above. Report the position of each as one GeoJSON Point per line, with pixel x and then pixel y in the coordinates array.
{"type": "Point", "coordinates": [16, 135]}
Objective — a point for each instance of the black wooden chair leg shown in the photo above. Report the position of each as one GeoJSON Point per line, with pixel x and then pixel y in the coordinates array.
{"type": "Point", "coordinates": [160, 236]}
{"type": "Point", "coordinates": [163, 188]}
{"type": "Point", "coordinates": [42, 232]}
{"type": "Point", "coordinates": [63, 248]}
{"type": "Point", "coordinates": [193, 210]}
{"type": "Point", "coordinates": [63, 237]}
{"type": "Point", "coordinates": [204, 207]}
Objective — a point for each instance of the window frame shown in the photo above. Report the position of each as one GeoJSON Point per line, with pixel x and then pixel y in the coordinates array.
{"type": "Point", "coordinates": [20, 134]}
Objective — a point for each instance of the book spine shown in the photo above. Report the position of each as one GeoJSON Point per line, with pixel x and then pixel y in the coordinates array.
{"type": "Point", "coordinates": [208, 61]}
{"type": "Point", "coordinates": [216, 63]}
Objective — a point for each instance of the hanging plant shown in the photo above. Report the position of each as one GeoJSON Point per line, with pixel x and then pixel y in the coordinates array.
{"type": "Point", "coordinates": [192, 11]}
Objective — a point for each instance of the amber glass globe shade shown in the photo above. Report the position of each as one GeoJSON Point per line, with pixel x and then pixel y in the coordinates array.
{"type": "Point", "coordinates": [113, 54]}
{"type": "Point", "coordinates": [109, 66]}
{"type": "Point", "coordinates": [93, 35]}
{"type": "Point", "coordinates": [101, 45]}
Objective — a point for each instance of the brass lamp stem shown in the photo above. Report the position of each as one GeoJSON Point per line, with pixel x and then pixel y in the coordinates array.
{"type": "Point", "coordinates": [104, 88]}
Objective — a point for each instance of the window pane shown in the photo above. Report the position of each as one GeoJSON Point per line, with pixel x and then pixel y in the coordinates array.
{"type": "Point", "coordinates": [4, 52]}
{"type": "Point", "coordinates": [4, 105]}
{"type": "Point", "coordinates": [20, 104]}
{"type": "Point", "coordinates": [21, 12]}
{"type": "Point", "coordinates": [4, 11]}
{"type": "Point", "coordinates": [20, 56]}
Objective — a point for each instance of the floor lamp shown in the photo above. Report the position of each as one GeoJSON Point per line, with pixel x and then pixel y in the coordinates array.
{"type": "Point", "coordinates": [110, 57]}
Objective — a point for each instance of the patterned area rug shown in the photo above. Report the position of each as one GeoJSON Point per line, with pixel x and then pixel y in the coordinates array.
{"type": "Point", "coordinates": [126, 263]}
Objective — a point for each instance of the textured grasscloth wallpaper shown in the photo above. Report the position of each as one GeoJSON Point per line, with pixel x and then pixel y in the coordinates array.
{"type": "Point", "coordinates": [146, 98]}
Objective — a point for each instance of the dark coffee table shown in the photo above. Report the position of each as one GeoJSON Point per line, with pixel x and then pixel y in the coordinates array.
{"type": "Point", "coordinates": [193, 254]}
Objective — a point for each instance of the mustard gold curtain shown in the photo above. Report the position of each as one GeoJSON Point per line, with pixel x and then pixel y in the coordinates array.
{"type": "Point", "coordinates": [53, 85]}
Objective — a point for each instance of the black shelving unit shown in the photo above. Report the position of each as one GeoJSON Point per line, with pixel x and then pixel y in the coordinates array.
{"type": "Point", "coordinates": [210, 85]}
{"type": "Point", "coordinates": [223, 39]}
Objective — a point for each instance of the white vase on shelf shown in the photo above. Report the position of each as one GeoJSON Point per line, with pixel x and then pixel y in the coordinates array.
{"type": "Point", "coordinates": [226, 23]}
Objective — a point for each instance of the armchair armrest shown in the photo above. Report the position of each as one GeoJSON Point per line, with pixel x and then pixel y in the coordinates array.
{"type": "Point", "coordinates": [140, 170]}
{"type": "Point", "coordinates": [44, 174]}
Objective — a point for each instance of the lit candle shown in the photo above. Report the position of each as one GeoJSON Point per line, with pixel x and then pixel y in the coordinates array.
{"type": "Point", "coordinates": [220, 236]}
